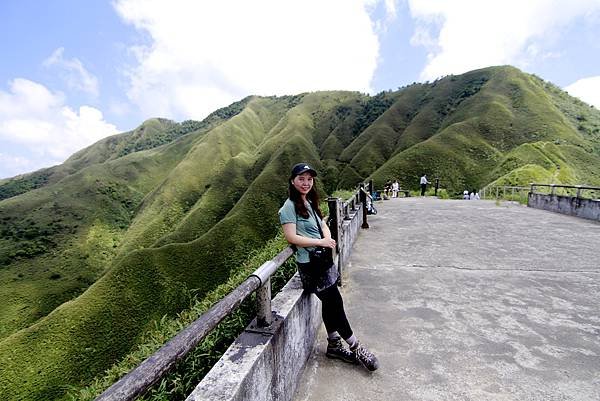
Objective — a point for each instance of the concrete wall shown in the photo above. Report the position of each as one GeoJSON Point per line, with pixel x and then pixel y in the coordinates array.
{"type": "Point", "coordinates": [264, 365]}
{"type": "Point", "coordinates": [348, 235]}
{"type": "Point", "coordinates": [573, 206]}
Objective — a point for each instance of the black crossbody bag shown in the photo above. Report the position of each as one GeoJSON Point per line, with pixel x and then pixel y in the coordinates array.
{"type": "Point", "coordinates": [320, 257]}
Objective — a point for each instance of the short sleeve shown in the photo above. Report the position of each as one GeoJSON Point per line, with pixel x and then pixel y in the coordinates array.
{"type": "Point", "coordinates": [287, 213]}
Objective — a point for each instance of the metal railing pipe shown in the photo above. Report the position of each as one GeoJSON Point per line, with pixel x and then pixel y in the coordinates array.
{"type": "Point", "coordinates": [136, 382]}
{"type": "Point", "coordinates": [578, 188]}
{"type": "Point", "coordinates": [139, 380]}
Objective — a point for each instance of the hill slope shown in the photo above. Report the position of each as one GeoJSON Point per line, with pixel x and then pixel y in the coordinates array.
{"type": "Point", "coordinates": [119, 235]}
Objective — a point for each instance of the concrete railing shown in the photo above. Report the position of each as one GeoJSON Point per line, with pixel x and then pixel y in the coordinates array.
{"type": "Point", "coordinates": [266, 364]}
{"type": "Point", "coordinates": [573, 203]}
{"type": "Point", "coordinates": [273, 320]}
{"type": "Point", "coordinates": [506, 192]}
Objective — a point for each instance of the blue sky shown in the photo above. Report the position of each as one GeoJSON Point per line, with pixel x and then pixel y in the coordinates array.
{"type": "Point", "coordinates": [73, 72]}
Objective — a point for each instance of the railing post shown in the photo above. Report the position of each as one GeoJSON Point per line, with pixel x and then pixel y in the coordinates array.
{"type": "Point", "coordinates": [363, 198]}
{"type": "Point", "coordinates": [578, 190]}
{"type": "Point", "coordinates": [263, 304]}
{"type": "Point", "coordinates": [333, 222]}
{"type": "Point", "coordinates": [370, 187]}
{"type": "Point", "coordinates": [340, 223]}
{"type": "Point", "coordinates": [437, 185]}
{"type": "Point", "coordinates": [553, 189]}
{"type": "Point", "coordinates": [496, 192]}
{"type": "Point", "coordinates": [335, 226]}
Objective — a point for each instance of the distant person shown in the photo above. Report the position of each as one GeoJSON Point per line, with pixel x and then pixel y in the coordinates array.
{"type": "Point", "coordinates": [472, 195]}
{"type": "Point", "coordinates": [395, 189]}
{"type": "Point", "coordinates": [477, 197]}
{"type": "Point", "coordinates": [387, 189]}
{"type": "Point", "coordinates": [466, 195]}
{"type": "Point", "coordinates": [303, 226]}
{"type": "Point", "coordinates": [424, 183]}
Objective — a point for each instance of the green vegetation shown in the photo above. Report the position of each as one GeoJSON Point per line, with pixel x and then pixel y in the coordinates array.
{"type": "Point", "coordinates": [441, 194]}
{"type": "Point", "coordinates": [184, 377]}
{"type": "Point", "coordinates": [105, 256]}
{"type": "Point", "coordinates": [158, 137]}
{"type": "Point", "coordinates": [343, 194]}
{"type": "Point", "coordinates": [151, 134]}
{"type": "Point", "coordinates": [371, 109]}
{"type": "Point", "coordinates": [19, 185]}
{"type": "Point", "coordinates": [509, 128]}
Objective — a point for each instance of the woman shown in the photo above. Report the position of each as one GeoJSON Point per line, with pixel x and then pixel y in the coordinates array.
{"type": "Point", "coordinates": [298, 216]}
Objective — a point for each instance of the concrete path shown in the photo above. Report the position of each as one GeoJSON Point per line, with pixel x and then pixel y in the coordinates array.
{"type": "Point", "coordinates": [468, 300]}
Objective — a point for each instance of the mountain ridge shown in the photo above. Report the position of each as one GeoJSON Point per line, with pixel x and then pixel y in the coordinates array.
{"type": "Point", "coordinates": [92, 257]}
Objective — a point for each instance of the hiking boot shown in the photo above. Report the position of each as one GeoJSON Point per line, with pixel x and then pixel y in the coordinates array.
{"type": "Point", "coordinates": [336, 349]}
{"type": "Point", "coordinates": [366, 358]}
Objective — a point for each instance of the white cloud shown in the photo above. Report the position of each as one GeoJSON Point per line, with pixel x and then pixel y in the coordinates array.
{"type": "Point", "coordinates": [586, 89]}
{"type": "Point", "coordinates": [471, 34]}
{"type": "Point", "coordinates": [205, 55]}
{"type": "Point", "coordinates": [44, 131]}
{"type": "Point", "coordinates": [27, 98]}
{"type": "Point", "coordinates": [75, 74]}
{"type": "Point", "coordinates": [14, 165]}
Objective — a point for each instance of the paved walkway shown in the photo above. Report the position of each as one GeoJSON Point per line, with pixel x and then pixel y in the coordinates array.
{"type": "Point", "coordinates": [468, 300]}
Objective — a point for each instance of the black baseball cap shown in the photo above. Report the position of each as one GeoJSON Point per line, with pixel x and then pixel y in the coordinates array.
{"type": "Point", "coordinates": [302, 168]}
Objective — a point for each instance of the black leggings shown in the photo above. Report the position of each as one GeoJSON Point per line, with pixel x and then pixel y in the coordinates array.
{"type": "Point", "coordinates": [333, 313]}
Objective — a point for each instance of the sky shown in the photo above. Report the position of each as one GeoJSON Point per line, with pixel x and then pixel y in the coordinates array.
{"type": "Point", "coordinates": [73, 72]}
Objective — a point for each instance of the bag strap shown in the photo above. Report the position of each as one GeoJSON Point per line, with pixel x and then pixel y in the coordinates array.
{"type": "Point", "coordinates": [317, 220]}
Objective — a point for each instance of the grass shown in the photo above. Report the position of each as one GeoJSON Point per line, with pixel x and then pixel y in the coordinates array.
{"type": "Point", "coordinates": [441, 194]}
{"type": "Point", "coordinates": [506, 194]}
{"type": "Point", "coordinates": [181, 381]}
{"type": "Point", "coordinates": [71, 229]}
{"type": "Point", "coordinates": [343, 194]}
{"type": "Point", "coordinates": [29, 293]}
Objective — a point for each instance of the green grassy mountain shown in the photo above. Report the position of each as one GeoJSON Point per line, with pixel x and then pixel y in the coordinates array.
{"type": "Point", "coordinates": [93, 251]}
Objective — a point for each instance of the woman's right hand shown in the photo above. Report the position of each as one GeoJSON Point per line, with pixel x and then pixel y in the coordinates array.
{"type": "Point", "coordinates": [327, 243]}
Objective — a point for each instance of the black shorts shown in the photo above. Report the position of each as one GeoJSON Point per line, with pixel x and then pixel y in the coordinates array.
{"type": "Point", "coordinates": [316, 281]}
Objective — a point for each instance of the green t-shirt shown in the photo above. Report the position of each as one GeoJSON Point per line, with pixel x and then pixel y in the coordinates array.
{"type": "Point", "coordinates": [304, 227]}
